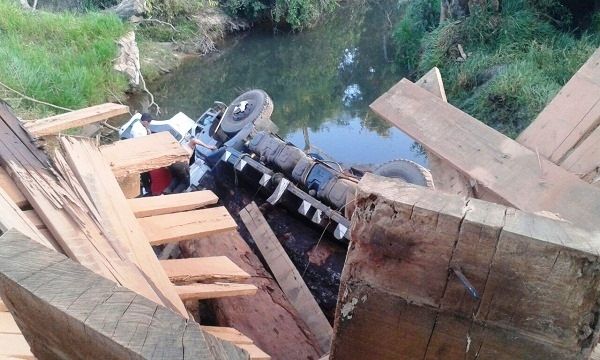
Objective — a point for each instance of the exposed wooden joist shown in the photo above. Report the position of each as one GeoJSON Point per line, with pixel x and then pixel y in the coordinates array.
{"type": "Point", "coordinates": [204, 269]}
{"type": "Point", "coordinates": [445, 177]}
{"type": "Point", "coordinates": [174, 203]}
{"type": "Point", "coordinates": [141, 154]}
{"type": "Point", "coordinates": [508, 170]}
{"type": "Point", "coordinates": [213, 291]}
{"type": "Point", "coordinates": [118, 222]}
{"type": "Point", "coordinates": [55, 299]}
{"type": "Point", "coordinates": [287, 275]}
{"type": "Point", "coordinates": [189, 225]}
{"type": "Point", "coordinates": [267, 317]}
{"type": "Point", "coordinates": [8, 185]}
{"type": "Point", "coordinates": [77, 118]}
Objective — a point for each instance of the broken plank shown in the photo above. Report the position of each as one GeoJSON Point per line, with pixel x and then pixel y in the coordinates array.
{"type": "Point", "coordinates": [77, 118]}
{"type": "Point", "coordinates": [9, 186]}
{"type": "Point", "coordinates": [213, 291]}
{"type": "Point", "coordinates": [288, 277]}
{"type": "Point", "coordinates": [204, 269]}
{"type": "Point", "coordinates": [144, 153]}
{"type": "Point", "coordinates": [570, 117]}
{"type": "Point", "coordinates": [122, 229]}
{"type": "Point", "coordinates": [507, 169]}
{"type": "Point", "coordinates": [168, 228]}
{"type": "Point", "coordinates": [174, 203]}
{"type": "Point", "coordinates": [60, 303]}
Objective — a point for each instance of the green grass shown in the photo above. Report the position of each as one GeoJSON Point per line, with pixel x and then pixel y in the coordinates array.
{"type": "Point", "coordinates": [61, 58]}
{"type": "Point", "coordinates": [517, 60]}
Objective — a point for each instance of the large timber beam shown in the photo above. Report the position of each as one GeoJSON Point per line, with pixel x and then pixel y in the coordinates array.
{"type": "Point", "coordinates": [66, 311]}
{"type": "Point", "coordinates": [435, 276]}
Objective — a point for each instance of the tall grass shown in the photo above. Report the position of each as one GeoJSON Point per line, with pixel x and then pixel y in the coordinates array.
{"type": "Point", "coordinates": [61, 58]}
{"type": "Point", "coordinates": [517, 60]}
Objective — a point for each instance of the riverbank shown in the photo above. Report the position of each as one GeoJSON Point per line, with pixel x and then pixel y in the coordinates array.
{"type": "Point", "coordinates": [500, 67]}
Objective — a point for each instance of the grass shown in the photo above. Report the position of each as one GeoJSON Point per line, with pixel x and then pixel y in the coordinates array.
{"type": "Point", "coordinates": [61, 58]}
{"type": "Point", "coordinates": [517, 60]}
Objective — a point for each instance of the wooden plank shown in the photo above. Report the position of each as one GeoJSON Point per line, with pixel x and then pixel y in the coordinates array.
{"type": "Point", "coordinates": [14, 347]}
{"type": "Point", "coordinates": [227, 333]}
{"type": "Point", "coordinates": [60, 303]}
{"type": "Point", "coordinates": [584, 160]}
{"type": "Point", "coordinates": [400, 294]}
{"type": "Point", "coordinates": [507, 169]}
{"type": "Point", "coordinates": [287, 275]}
{"type": "Point", "coordinates": [130, 185]}
{"type": "Point", "coordinates": [169, 228]}
{"type": "Point", "coordinates": [3, 307]}
{"type": "Point", "coordinates": [8, 324]}
{"type": "Point", "coordinates": [8, 185]}
{"type": "Point", "coordinates": [213, 291]}
{"type": "Point", "coordinates": [141, 154]}
{"type": "Point", "coordinates": [445, 177]}
{"type": "Point", "coordinates": [56, 124]}
{"type": "Point", "coordinates": [570, 117]}
{"type": "Point", "coordinates": [118, 222]}
{"type": "Point", "coordinates": [174, 203]}
{"type": "Point", "coordinates": [11, 217]}
{"type": "Point", "coordinates": [267, 317]}
{"type": "Point", "coordinates": [204, 269]}
{"type": "Point", "coordinates": [254, 351]}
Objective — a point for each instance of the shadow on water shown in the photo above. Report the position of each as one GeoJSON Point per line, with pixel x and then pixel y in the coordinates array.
{"type": "Point", "coordinates": [321, 82]}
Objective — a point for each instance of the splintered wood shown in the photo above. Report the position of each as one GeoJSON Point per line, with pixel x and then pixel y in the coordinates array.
{"type": "Point", "coordinates": [204, 269]}
{"type": "Point", "coordinates": [124, 236]}
{"type": "Point", "coordinates": [77, 118]}
{"type": "Point", "coordinates": [516, 175]}
{"type": "Point", "coordinates": [68, 312]}
{"type": "Point", "coordinates": [430, 275]}
{"type": "Point", "coordinates": [287, 275]}
{"type": "Point", "coordinates": [138, 155]}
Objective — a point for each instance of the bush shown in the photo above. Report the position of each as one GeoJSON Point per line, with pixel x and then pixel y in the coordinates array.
{"type": "Point", "coordinates": [420, 17]}
{"type": "Point", "coordinates": [63, 59]}
{"type": "Point", "coordinates": [517, 60]}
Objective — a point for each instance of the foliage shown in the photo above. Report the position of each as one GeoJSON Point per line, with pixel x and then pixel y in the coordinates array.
{"type": "Point", "coordinates": [62, 58]}
{"type": "Point", "coordinates": [297, 14]}
{"type": "Point", "coordinates": [517, 60]}
{"type": "Point", "coordinates": [420, 17]}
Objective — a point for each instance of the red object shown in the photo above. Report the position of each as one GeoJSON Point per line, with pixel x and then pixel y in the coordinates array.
{"type": "Point", "coordinates": [160, 179]}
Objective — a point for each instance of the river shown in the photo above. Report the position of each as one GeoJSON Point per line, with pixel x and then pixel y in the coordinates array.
{"type": "Point", "coordinates": [321, 82]}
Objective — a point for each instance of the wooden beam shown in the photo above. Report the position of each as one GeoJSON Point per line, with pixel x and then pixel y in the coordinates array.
{"type": "Point", "coordinates": [14, 347]}
{"type": "Point", "coordinates": [501, 166]}
{"type": "Point", "coordinates": [213, 291]}
{"type": "Point", "coordinates": [445, 177]}
{"type": "Point", "coordinates": [174, 203]}
{"type": "Point", "coordinates": [571, 116]}
{"type": "Point", "coordinates": [189, 225]}
{"type": "Point", "coordinates": [59, 303]}
{"type": "Point", "coordinates": [401, 289]}
{"type": "Point", "coordinates": [77, 118]}
{"type": "Point", "coordinates": [204, 269]}
{"type": "Point", "coordinates": [287, 275]}
{"type": "Point", "coordinates": [35, 220]}
{"type": "Point", "coordinates": [9, 186]}
{"type": "Point", "coordinates": [141, 154]}
{"type": "Point", "coordinates": [239, 339]}
{"type": "Point", "coordinates": [119, 224]}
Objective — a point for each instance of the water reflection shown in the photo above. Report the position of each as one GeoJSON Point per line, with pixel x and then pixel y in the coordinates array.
{"type": "Point", "coordinates": [321, 82]}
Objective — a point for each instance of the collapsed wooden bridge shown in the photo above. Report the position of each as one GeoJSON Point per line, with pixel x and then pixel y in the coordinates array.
{"type": "Point", "coordinates": [501, 261]}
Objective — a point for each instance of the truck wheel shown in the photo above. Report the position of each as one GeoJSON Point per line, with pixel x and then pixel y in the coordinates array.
{"type": "Point", "coordinates": [406, 170]}
{"type": "Point", "coordinates": [258, 106]}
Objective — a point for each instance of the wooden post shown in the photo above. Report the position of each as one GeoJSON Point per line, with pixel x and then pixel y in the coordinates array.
{"type": "Point", "coordinates": [66, 311]}
{"type": "Point", "coordinates": [534, 282]}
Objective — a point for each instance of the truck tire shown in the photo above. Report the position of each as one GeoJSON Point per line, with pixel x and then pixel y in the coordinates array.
{"type": "Point", "coordinates": [406, 170]}
{"type": "Point", "coordinates": [260, 107]}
